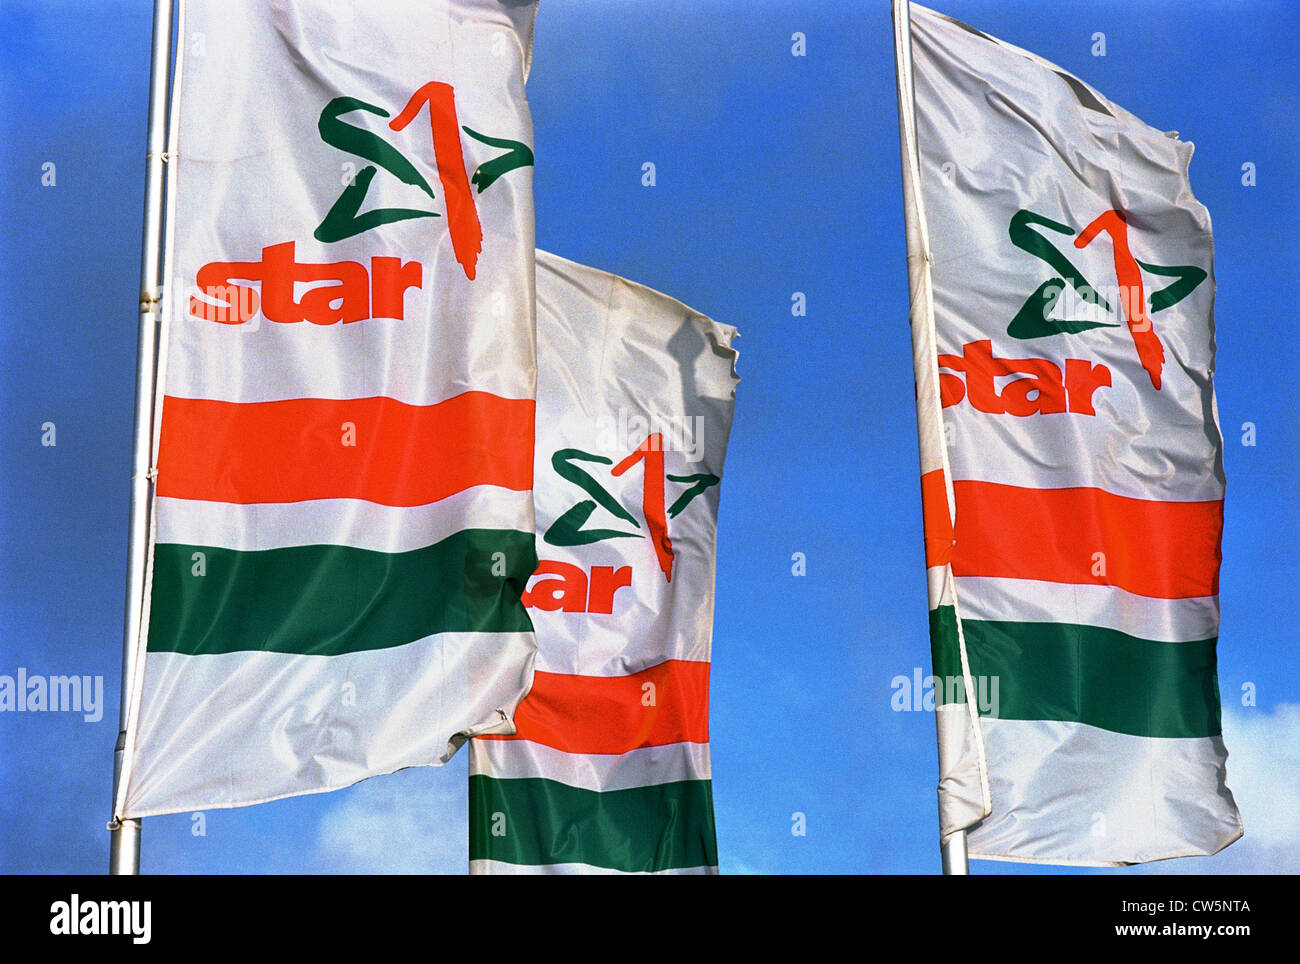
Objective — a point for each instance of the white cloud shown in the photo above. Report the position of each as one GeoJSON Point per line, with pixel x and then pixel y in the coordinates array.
{"type": "Point", "coordinates": [735, 866]}
{"type": "Point", "coordinates": [1264, 771]}
{"type": "Point", "coordinates": [1264, 776]}
{"type": "Point", "coordinates": [415, 821]}
{"type": "Point", "coordinates": [411, 822]}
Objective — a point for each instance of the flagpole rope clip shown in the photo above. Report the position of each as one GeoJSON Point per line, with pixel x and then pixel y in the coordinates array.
{"type": "Point", "coordinates": [163, 156]}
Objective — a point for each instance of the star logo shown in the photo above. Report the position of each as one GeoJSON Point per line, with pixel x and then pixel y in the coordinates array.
{"type": "Point", "coordinates": [1035, 317]}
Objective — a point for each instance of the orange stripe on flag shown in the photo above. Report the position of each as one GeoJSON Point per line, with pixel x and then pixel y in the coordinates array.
{"type": "Point", "coordinates": [938, 521]}
{"type": "Point", "coordinates": [667, 703]}
{"type": "Point", "coordinates": [377, 449]}
{"type": "Point", "coordinates": [1166, 550]}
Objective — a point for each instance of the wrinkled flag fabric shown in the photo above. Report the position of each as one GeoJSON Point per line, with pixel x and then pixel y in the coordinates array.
{"type": "Point", "coordinates": [342, 525]}
{"type": "Point", "coordinates": [609, 771]}
{"type": "Point", "coordinates": [1072, 464]}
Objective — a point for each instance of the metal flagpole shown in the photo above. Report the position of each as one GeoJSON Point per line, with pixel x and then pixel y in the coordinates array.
{"type": "Point", "coordinates": [952, 850]}
{"type": "Point", "coordinates": [952, 854]}
{"type": "Point", "coordinates": [124, 835]}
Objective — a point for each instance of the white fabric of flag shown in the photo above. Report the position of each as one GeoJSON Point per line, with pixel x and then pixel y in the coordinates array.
{"type": "Point", "coordinates": [343, 521]}
{"type": "Point", "coordinates": [1072, 471]}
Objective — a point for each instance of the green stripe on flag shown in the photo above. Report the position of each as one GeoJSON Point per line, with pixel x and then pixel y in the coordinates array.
{"type": "Point", "coordinates": [1081, 674]}
{"type": "Point", "coordinates": [326, 600]}
{"type": "Point", "coordinates": [534, 821]}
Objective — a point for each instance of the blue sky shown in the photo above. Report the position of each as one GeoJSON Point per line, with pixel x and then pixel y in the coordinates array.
{"type": "Point", "coordinates": [775, 174]}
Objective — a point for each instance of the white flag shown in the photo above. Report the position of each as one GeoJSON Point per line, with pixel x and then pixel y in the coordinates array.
{"type": "Point", "coordinates": [609, 770]}
{"type": "Point", "coordinates": [343, 521]}
{"type": "Point", "coordinates": [1062, 284]}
